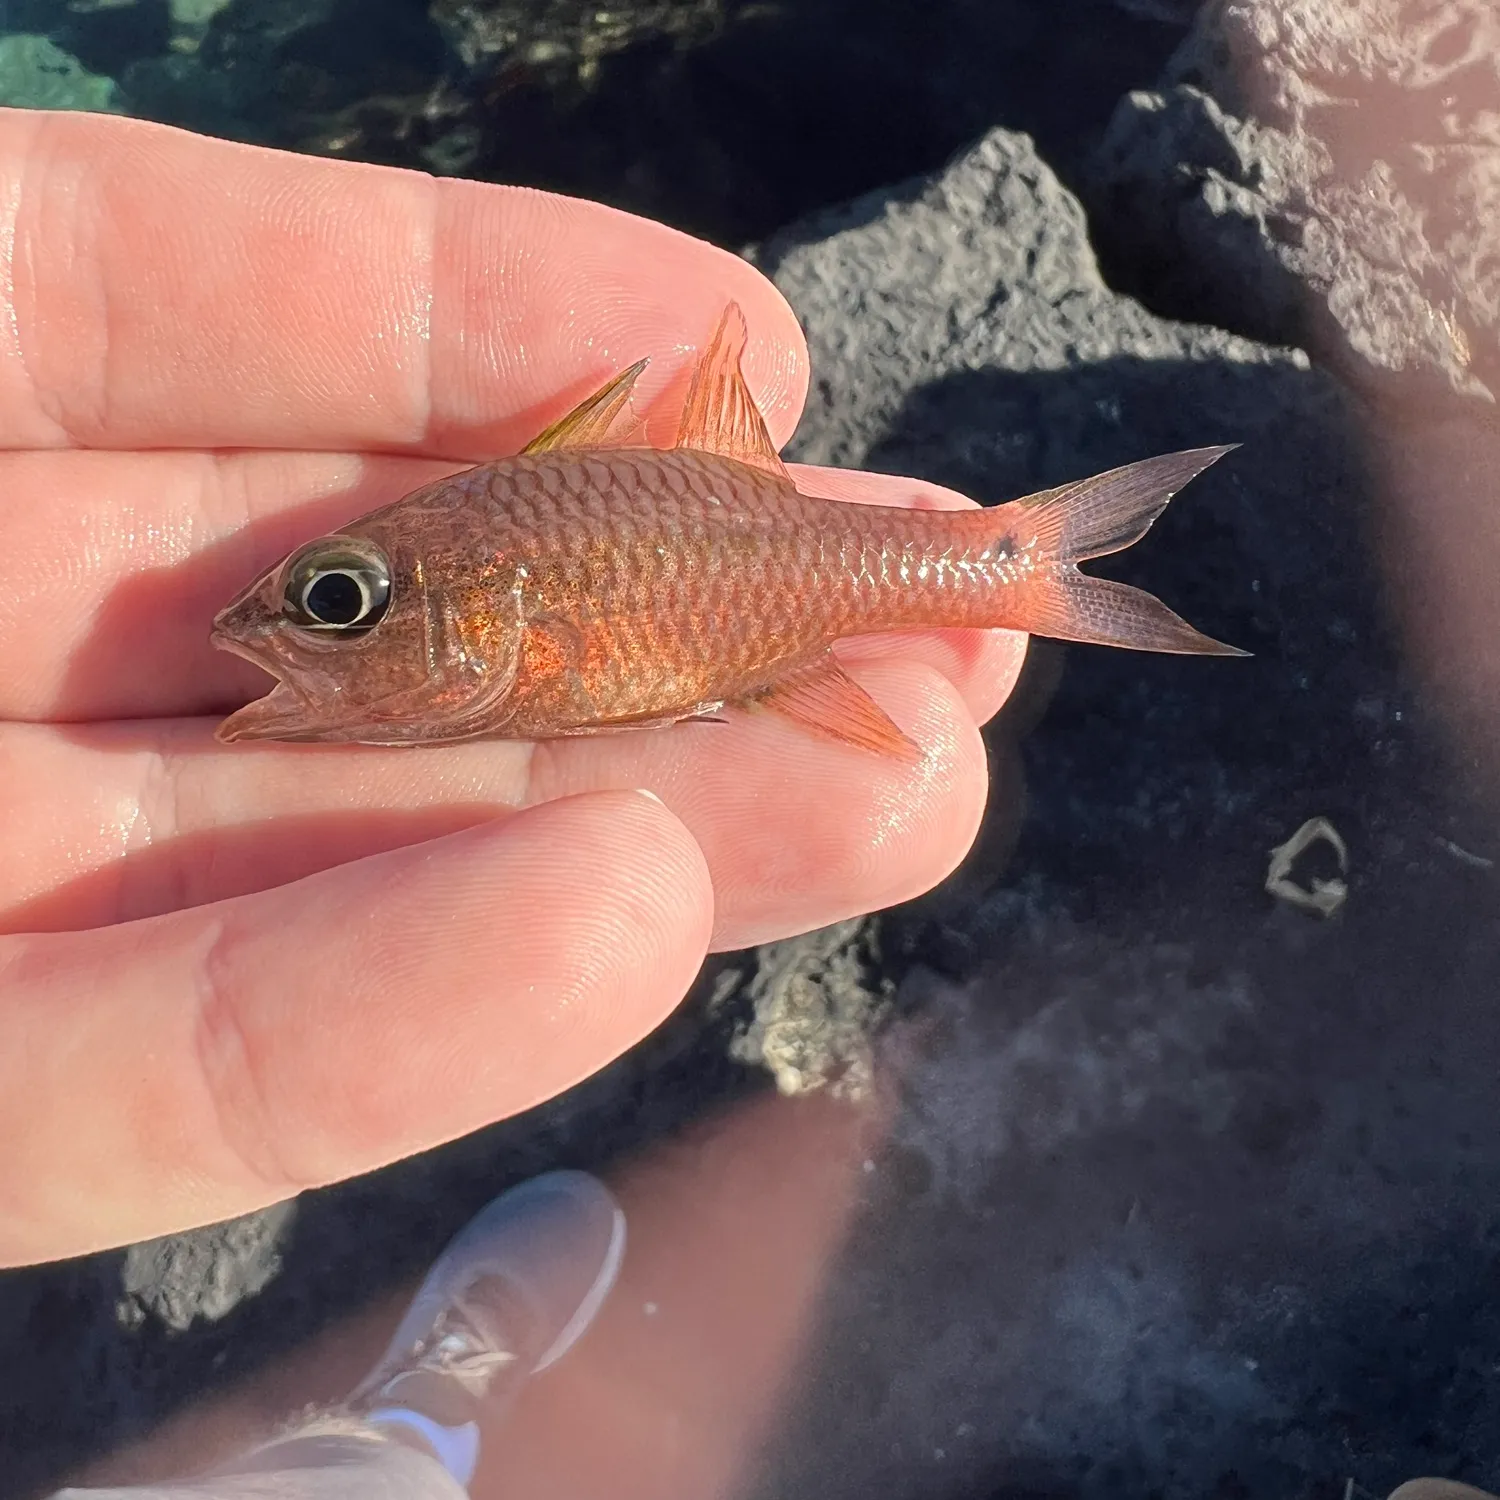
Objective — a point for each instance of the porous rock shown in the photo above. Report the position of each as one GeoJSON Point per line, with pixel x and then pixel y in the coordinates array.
{"type": "Point", "coordinates": [1324, 172]}
{"type": "Point", "coordinates": [814, 1004]}
{"type": "Point", "coordinates": [1176, 1162]}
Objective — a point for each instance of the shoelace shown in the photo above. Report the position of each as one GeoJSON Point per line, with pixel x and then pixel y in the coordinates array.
{"type": "Point", "coordinates": [457, 1348]}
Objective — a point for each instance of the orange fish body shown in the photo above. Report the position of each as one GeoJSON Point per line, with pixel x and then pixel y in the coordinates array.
{"type": "Point", "coordinates": [589, 585]}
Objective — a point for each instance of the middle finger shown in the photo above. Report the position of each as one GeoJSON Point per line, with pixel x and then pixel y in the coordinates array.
{"type": "Point", "coordinates": [113, 822]}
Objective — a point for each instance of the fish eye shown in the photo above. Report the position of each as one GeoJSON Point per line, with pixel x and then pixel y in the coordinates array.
{"type": "Point", "coordinates": [338, 585]}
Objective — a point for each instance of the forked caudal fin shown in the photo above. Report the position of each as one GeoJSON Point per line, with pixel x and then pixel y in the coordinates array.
{"type": "Point", "coordinates": [1093, 517]}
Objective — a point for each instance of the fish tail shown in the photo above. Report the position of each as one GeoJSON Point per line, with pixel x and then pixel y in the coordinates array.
{"type": "Point", "coordinates": [1071, 606]}
{"type": "Point", "coordinates": [1091, 518]}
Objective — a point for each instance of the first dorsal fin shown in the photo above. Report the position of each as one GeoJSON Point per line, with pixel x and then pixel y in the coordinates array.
{"type": "Point", "coordinates": [600, 421]}
{"type": "Point", "coordinates": [720, 415]}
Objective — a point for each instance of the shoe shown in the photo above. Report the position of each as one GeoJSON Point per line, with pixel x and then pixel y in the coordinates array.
{"type": "Point", "coordinates": [514, 1291]}
{"type": "Point", "coordinates": [1438, 1489]}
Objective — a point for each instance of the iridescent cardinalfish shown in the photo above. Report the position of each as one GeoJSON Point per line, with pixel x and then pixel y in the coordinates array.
{"type": "Point", "coordinates": [592, 584]}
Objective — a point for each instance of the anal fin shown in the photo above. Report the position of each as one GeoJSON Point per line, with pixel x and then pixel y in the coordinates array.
{"type": "Point", "coordinates": [822, 697]}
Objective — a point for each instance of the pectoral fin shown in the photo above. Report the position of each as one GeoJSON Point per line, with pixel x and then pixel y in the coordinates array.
{"type": "Point", "coordinates": [822, 697]}
{"type": "Point", "coordinates": [602, 420]}
{"type": "Point", "coordinates": [720, 415]}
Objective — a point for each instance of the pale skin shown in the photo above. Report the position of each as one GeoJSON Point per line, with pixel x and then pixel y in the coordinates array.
{"type": "Point", "coordinates": [234, 972]}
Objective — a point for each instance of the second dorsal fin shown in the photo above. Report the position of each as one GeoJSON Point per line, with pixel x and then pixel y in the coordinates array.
{"type": "Point", "coordinates": [599, 421]}
{"type": "Point", "coordinates": [720, 415]}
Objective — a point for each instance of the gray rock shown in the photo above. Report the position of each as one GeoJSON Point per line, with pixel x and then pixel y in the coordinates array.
{"type": "Point", "coordinates": [1324, 172]}
{"type": "Point", "coordinates": [986, 267]}
{"type": "Point", "coordinates": [816, 1002]}
{"type": "Point", "coordinates": [1177, 1165]}
{"type": "Point", "coordinates": [182, 1278]}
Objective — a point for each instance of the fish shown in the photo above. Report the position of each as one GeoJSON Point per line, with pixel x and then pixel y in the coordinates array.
{"type": "Point", "coordinates": [593, 584]}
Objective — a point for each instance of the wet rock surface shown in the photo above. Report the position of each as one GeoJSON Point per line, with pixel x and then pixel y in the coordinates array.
{"type": "Point", "coordinates": [1188, 1192]}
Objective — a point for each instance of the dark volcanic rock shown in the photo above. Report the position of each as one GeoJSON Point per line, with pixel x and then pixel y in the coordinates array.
{"type": "Point", "coordinates": [1177, 1165]}
{"type": "Point", "coordinates": [182, 1279]}
{"type": "Point", "coordinates": [1324, 171]}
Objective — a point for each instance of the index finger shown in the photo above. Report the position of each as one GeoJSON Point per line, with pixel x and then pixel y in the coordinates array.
{"type": "Point", "coordinates": [165, 289]}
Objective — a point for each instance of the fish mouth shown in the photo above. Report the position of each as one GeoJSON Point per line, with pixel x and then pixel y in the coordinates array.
{"type": "Point", "coordinates": [277, 716]}
{"type": "Point", "coordinates": [280, 714]}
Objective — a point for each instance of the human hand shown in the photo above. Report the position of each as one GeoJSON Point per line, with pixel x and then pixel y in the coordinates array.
{"type": "Point", "coordinates": [235, 972]}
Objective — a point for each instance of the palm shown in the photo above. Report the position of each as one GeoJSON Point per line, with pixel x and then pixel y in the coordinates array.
{"type": "Point", "coordinates": [211, 353]}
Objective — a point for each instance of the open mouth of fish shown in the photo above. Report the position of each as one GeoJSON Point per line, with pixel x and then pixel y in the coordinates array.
{"type": "Point", "coordinates": [276, 715]}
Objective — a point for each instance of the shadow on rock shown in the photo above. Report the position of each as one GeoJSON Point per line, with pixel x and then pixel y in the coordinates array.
{"type": "Point", "coordinates": [1144, 771]}
{"type": "Point", "coordinates": [1189, 1190]}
